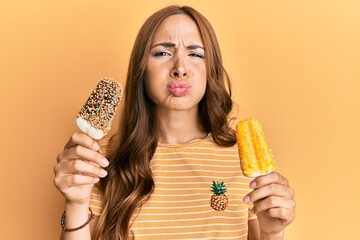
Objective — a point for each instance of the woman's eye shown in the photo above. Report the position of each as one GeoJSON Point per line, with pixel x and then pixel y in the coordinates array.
{"type": "Point", "coordinates": [161, 54]}
{"type": "Point", "coordinates": [197, 55]}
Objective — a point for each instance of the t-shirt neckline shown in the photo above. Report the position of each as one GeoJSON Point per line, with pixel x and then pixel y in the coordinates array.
{"type": "Point", "coordinates": [190, 143]}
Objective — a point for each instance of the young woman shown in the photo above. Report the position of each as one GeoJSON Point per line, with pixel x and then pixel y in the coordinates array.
{"type": "Point", "coordinates": [175, 141]}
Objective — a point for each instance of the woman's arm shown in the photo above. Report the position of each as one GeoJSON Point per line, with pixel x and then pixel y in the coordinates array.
{"type": "Point", "coordinates": [79, 166]}
{"type": "Point", "coordinates": [76, 215]}
{"type": "Point", "coordinates": [253, 230]}
{"type": "Point", "coordinates": [92, 226]}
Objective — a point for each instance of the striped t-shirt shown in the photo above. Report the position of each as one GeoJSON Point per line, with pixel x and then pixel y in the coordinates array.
{"type": "Point", "coordinates": [179, 207]}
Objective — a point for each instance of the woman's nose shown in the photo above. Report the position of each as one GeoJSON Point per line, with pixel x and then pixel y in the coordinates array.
{"type": "Point", "coordinates": [179, 70]}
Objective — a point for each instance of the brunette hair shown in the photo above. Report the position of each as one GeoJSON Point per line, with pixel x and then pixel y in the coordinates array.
{"type": "Point", "coordinates": [129, 183]}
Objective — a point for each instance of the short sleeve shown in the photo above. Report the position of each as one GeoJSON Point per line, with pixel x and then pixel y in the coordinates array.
{"type": "Point", "coordinates": [96, 203]}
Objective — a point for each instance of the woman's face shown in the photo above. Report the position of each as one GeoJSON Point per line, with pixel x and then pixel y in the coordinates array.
{"type": "Point", "coordinates": [175, 75]}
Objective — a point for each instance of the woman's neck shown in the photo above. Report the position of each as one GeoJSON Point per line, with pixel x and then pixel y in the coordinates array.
{"type": "Point", "coordinates": [179, 127]}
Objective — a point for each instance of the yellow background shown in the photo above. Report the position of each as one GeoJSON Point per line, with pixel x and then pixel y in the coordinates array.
{"type": "Point", "coordinates": [295, 65]}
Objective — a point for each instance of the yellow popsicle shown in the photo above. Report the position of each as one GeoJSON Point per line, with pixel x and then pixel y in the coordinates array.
{"type": "Point", "coordinates": [255, 156]}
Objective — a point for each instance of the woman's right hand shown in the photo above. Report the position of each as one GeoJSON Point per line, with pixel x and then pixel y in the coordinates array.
{"type": "Point", "coordinates": [79, 166]}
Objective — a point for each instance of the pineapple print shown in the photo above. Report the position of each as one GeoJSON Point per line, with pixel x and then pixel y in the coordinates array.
{"type": "Point", "coordinates": [219, 200]}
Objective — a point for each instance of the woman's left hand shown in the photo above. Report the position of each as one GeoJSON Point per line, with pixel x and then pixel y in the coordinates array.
{"type": "Point", "coordinates": [273, 202]}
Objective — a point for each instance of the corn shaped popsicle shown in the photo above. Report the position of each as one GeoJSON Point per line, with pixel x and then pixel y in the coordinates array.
{"type": "Point", "coordinates": [255, 156]}
{"type": "Point", "coordinates": [98, 111]}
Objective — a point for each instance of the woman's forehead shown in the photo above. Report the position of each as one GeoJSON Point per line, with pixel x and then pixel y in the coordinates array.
{"type": "Point", "coordinates": [178, 29]}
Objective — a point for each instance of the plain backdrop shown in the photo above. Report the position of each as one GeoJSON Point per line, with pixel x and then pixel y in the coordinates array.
{"type": "Point", "coordinates": [295, 65]}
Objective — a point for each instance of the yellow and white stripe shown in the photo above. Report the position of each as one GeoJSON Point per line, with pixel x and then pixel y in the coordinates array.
{"type": "Point", "coordinates": [180, 207]}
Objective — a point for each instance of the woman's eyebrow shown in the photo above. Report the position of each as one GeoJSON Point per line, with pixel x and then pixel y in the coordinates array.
{"type": "Point", "coordinates": [172, 45]}
{"type": "Point", "coordinates": [194, 46]}
{"type": "Point", "coordinates": [164, 44]}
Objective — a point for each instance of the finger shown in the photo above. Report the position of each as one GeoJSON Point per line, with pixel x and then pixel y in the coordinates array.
{"type": "Point", "coordinates": [79, 167]}
{"type": "Point", "coordinates": [63, 182]}
{"type": "Point", "coordinates": [83, 140]}
{"type": "Point", "coordinates": [78, 179]}
{"type": "Point", "coordinates": [287, 214]}
{"type": "Point", "coordinates": [70, 180]}
{"type": "Point", "coordinates": [272, 202]}
{"type": "Point", "coordinates": [272, 177]}
{"type": "Point", "coordinates": [80, 152]}
{"type": "Point", "coordinates": [269, 190]}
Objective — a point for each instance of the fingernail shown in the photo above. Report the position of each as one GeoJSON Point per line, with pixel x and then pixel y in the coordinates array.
{"type": "Point", "coordinates": [252, 185]}
{"type": "Point", "coordinates": [246, 199]}
{"type": "Point", "coordinates": [104, 162]}
{"type": "Point", "coordinates": [96, 146]}
{"type": "Point", "coordinates": [96, 179]}
{"type": "Point", "coordinates": [102, 173]}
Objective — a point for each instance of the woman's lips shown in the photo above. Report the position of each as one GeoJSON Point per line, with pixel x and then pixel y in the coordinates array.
{"type": "Point", "coordinates": [178, 89]}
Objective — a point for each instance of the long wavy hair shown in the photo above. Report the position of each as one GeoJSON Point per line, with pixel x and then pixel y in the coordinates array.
{"type": "Point", "coordinates": [129, 183]}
